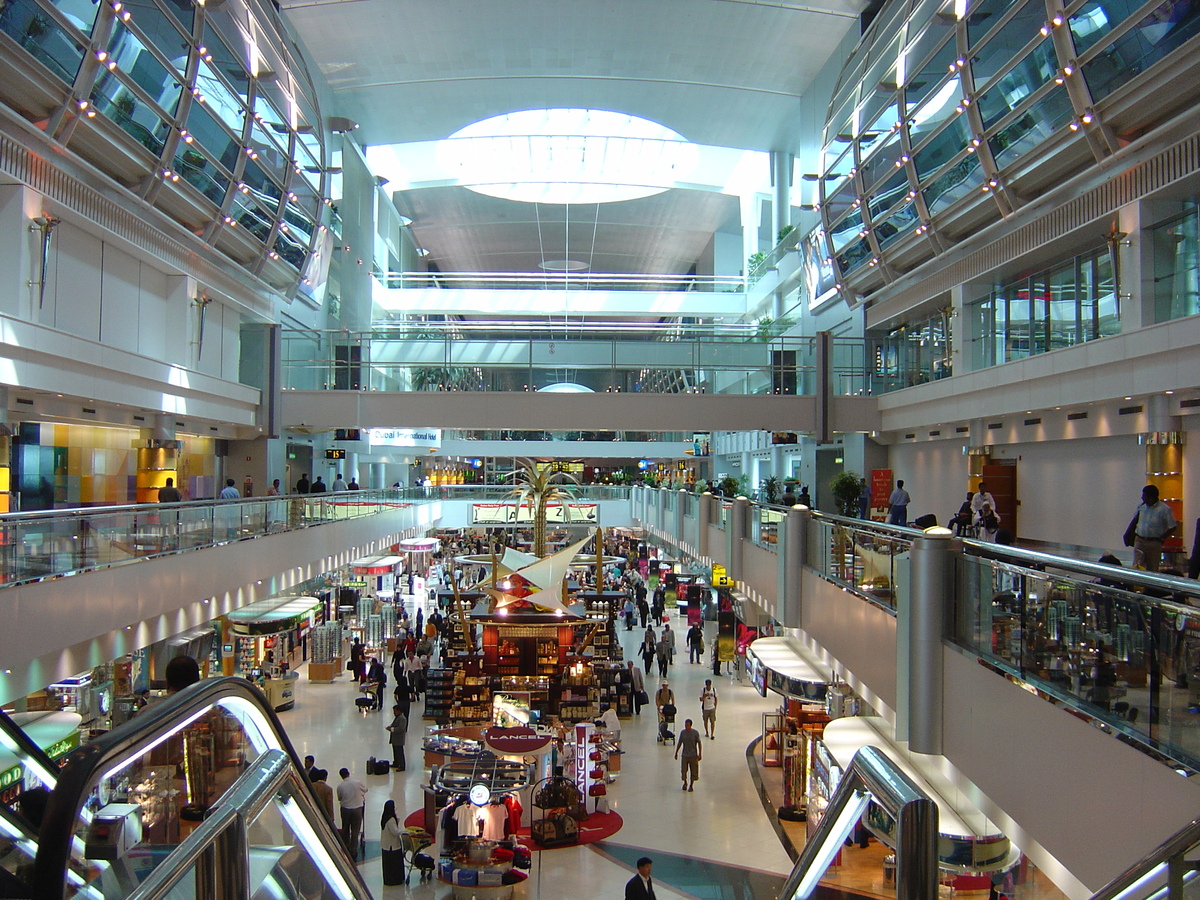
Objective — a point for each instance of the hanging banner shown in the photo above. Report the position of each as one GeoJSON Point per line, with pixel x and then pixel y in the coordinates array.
{"type": "Point", "coordinates": [881, 492]}
{"type": "Point", "coordinates": [726, 633]}
{"type": "Point", "coordinates": [514, 514]}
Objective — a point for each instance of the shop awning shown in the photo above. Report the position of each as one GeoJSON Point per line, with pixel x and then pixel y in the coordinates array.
{"type": "Point", "coordinates": [375, 565]}
{"type": "Point", "coordinates": [783, 665]}
{"type": "Point", "coordinates": [968, 842]}
{"type": "Point", "coordinates": [273, 615]}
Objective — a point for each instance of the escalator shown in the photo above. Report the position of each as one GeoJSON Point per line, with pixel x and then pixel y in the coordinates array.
{"type": "Point", "coordinates": [198, 796]}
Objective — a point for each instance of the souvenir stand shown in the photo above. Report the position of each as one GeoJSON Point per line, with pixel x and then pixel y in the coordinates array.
{"type": "Point", "coordinates": [267, 634]}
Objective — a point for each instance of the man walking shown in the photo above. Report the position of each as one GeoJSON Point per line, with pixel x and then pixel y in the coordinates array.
{"type": "Point", "coordinates": [690, 746]}
{"type": "Point", "coordinates": [1154, 523]}
{"type": "Point", "coordinates": [695, 643]}
{"type": "Point", "coordinates": [640, 887]}
{"type": "Point", "coordinates": [324, 793]}
{"type": "Point", "coordinates": [352, 798]}
{"type": "Point", "coordinates": [708, 709]}
{"type": "Point", "coordinates": [638, 684]}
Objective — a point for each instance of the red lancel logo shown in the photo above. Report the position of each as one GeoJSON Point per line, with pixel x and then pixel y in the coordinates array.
{"type": "Point", "coordinates": [516, 740]}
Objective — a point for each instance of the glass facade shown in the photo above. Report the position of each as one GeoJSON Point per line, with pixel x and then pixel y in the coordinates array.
{"type": "Point", "coordinates": [941, 112]}
{"type": "Point", "coordinates": [235, 128]}
{"type": "Point", "coordinates": [1176, 268]}
{"type": "Point", "coordinates": [1071, 303]}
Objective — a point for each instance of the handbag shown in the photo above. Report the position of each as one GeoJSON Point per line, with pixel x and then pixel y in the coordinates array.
{"type": "Point", "coordinates": [596, 773]}
{"type": "Point", "coordinates": [595, 756]}
{"type": "Point", "coordinates": [597, 790]}
{"type": "Point", "coordinates": [643, 698]}
{"type": "Point", "coordinates": [1130, 537]}
{"type": "Point", "coordinates": [669, 710]}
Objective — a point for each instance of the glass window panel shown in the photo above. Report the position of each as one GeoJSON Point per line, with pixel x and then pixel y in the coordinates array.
{"type": "Point", "coordinates": [252, 217]}
{"type": "Point", "coordinates": [290, 250]}
{"type": "Point", "coordinates": [938, 107]}
{"type": "Point", "coordinates": [1107, 318]}
{"type": "Point", "coordinates": [143, 68]}
{"type": "Point", "coordinates": [261, 184]}
{"type": "Point", "coordinates": [231, 65]}
{"type": "Point", "coordinates": [896, 224]}
{"type": "Point", "coordinates": [983, 15]}
{"type": "Point", "coordinates": [1008, 43]}
{"type": "Point", "coordinates": [959, 180]}
{"type": "Point", "coordinates": [943, 147]}
{"type": "Point", "coordinates": [220, 100]}
{"type": "Point", "coordinates": [1066, 325]}
{"type": "Point", "coordinates": [1136, 50]}
{"type": "Point", "coordinates": [184, 12]}
{"type": "Point", "coordinates": [841, 129]}
{"type": "Point", "coordinates": [80, 13]}
{"type": "Point", "coordinates": [1037, 68]}
{"type": "Point", "coordinates": [854, 256]}
{"type": "Point", "coordinates": [298, 224]}
{"type": "Point", "coordinates": [1030, 128]}
{"type": "Point", "coordinates": [935, 32]}
{"type": "Point", "coordinates": [1176, 269]}
{"type": "Point", "coordinates": [887, 195]}
{"type": "Point", "coordinates": [270, 157]}
{"type": "Point", "coordinates": [838, 169]}
{"type": "Point", "coordinates": [201, 173]}
{"type": "Point", "coordinates": [159, 29]}
{"type": "Point", "coordinates": [982, 323]}
{"type": "Point", "coordinates": [845, 231]}
{"type": "Point", "coordinates": [42, 37]}
{"type": "Point", "coordinates": [839, 203]}
{"type": "Point", "coordinates": [215, 139]}
{"type": "Point", "coordinates": [882, 163]}
{"type": "Point", "coordinates": [112, 98]}
{"type": "Point", "coordinates": [931, 75]}
{"type": "Point", "coordinates": [880, 130]}
{"type": "Point", "coordinates": [1094, 21]}
{"type": "Point", "coordinates": [1014, 303]}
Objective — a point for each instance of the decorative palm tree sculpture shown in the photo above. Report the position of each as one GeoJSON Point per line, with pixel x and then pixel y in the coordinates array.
{"type": "Point", "coordinates": [536, 489]}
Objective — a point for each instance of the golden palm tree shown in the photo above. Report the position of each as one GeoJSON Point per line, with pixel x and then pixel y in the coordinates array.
{"type": "Point", "coordinates": [536, 489]}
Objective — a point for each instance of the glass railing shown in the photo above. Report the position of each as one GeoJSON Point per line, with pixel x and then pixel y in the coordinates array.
{"type": "Point", "coordinates": [163, 790]}
{"type": "Point", "coordinates": [764, 525]}
{"type": "Point", "coordinates": [559, 281]}
{"type": "Point", "coordinates": [869, 558]}
{"type": "Point", "coordinates": [1119, 644]}
{"type": "Point", "coordinates": [1168, 872]}
{"type": "Point", "coordinates": [521, 357]}
{"type": "Point", "coordinates": [37, 545]}
{"type": "Point", "coordinates": [29, 772]}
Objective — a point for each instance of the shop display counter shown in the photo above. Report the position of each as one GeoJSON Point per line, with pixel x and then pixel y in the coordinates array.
{"type": "Point", "coordinates": [281, 691]}
{"type": "Point", "coordinates": [325, 673]}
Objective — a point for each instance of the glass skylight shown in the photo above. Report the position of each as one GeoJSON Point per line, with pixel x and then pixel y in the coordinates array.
{"type": "Point", "coordinates": [567, 156]}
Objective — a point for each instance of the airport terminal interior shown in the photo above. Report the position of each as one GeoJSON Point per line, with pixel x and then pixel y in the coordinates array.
{"type": "Point", "coordinates": [842, 353]}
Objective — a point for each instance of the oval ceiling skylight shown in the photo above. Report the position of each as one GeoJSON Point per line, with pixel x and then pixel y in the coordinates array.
{"type": "Point", "coordinates": [567, 156]}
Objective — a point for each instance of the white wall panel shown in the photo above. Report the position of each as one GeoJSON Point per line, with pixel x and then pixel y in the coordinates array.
{"type": "Point", "coordinates": [934, 474]}
{"type": "Point", "coordinates": [1078, 492]}
{"type": "Point", "coordinates": [73, 288]}
{"type": "Point", "coordinates": [119, 299]}
{"type": "Point", "coordinates": [17, 244]}
{"type": "Point", "coordinates": [152, 314]}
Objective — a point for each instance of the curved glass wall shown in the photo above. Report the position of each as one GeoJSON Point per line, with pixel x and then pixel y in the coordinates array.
{"type": "Point", "coordinates": [225, 131]}
{"type": "Point", "coordinates": [947, 108]}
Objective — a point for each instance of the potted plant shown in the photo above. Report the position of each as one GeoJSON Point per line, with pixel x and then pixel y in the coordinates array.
{"type": "Point", "coordinates": [846, 488]}
{"type": "Point", "coordinates": [770, 490]}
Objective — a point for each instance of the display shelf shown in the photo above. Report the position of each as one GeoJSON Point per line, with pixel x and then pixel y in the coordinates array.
{"type": "Point", "coordinates": [439, 693]}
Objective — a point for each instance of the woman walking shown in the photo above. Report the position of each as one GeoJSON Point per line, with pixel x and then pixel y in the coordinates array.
{"type": "Point", "coordinates": [648, 649]}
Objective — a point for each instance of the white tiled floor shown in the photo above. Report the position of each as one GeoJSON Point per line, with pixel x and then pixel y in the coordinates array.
{"type": "Point", "coordinates": [722, 820]}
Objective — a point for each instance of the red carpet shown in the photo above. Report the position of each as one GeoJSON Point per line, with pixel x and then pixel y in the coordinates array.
{"type": "Point", "coordinates": [597, 827]}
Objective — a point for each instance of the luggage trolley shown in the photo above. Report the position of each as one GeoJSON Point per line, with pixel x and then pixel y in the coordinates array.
{"type": "Point", "coordinates": [666, 719]}
{"type": "Point", "coordinates": [412, 842]}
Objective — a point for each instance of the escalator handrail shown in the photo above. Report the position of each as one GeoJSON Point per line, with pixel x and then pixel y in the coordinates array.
{"type": "Point", "coordinates": [85, 765]}
{"type": "Point", "coordinates": [266, 776]}
{"type": "Point", "coordinates": [17, 735]}
{"type": "Point", "coordinates": [1178, 843]}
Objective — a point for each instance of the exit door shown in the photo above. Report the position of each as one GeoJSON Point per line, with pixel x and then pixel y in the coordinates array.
{"type": "Point", "coordinates": [1001, 481]}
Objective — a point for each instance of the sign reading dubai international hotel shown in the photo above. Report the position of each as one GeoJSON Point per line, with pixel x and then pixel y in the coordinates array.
{"type": "Point", "coordinates": [405, 437]}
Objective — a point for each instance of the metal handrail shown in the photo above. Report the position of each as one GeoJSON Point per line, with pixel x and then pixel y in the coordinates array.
{"type": "Point", "coordinates": [84, 767]}
{"type": "Point", "coordinates": [1143, 872]}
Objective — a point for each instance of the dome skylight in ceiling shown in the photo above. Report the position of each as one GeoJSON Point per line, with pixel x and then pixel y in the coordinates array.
{"type": "Point", "coordinates": [567, 156]}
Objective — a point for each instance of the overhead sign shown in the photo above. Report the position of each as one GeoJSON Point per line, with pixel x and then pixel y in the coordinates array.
{"type": "Point", "coordinates": [404, 437]}
{"type": "Point", "coordinates": [515, 514]}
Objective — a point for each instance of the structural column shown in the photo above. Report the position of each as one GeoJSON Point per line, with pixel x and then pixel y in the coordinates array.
{"type": "Point", "coordinates": [920, 629]}
{"type": "Point", "coordinates": [704, 517]}
{"type": "Point", "coordinates": [679, 498]}
{"type": "Point", "coordinates": [795, 555]}
{"type": "Point", "coordinates": [735, 534]}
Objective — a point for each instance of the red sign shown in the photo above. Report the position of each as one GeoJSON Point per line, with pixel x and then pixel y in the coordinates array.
{"type": "Point", "coordinates": [513, 741]}
{"type": "Point", "coordinates": [881, 487]}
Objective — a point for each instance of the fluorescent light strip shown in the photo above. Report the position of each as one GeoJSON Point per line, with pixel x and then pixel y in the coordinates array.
{"type": "Point", "coordinates": [316, 850]}
{"type": "Point", "coordinates": [854, 808]}
{"type": "Point", "coordinates": [146, 748]}
{"type": "Point", "coordinates": [1142, 882]}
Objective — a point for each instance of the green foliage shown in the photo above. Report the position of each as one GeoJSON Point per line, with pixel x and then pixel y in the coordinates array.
{"type": "Point", "coordinates": [755, 260]}
{"type": "Point", "coordinates": [784, 232]}
{"type": "Point", "coordinates": [771, 490]}
{"type": "Point", "coordinates": [726, 486]}
{"type": "Point", "coordinates": [846, 488]}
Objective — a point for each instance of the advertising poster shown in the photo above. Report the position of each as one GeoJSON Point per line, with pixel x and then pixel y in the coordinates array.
{"type": "Point", "coordinates": [881, 490]}
{"type": "Point", "coordinates": [726, 635]}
